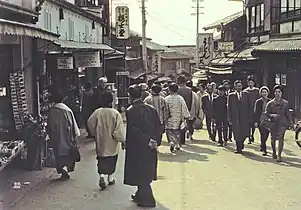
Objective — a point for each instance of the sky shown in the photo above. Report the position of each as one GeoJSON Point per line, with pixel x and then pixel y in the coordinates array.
{"type": "Point", "coordinates": [169, 22]}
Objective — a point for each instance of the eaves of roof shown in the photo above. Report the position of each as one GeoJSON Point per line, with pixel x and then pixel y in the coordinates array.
{"type": "Point", "coordinates": [224, 21]}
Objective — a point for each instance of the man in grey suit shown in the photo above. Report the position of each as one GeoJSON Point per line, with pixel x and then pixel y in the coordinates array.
{"type": "Point", "coordinates": [239, 115]}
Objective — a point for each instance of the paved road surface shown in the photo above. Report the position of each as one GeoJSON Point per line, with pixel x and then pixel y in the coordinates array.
{"type": "Point", "coordinates": [201, 177]}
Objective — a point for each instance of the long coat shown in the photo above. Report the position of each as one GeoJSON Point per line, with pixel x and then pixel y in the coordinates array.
{"type": "Point", "coordinates": [206, 105]}
{"type": "Point", "coordinates": [239, 114]}
{"type": "Point", "coordinates": [143, 124]}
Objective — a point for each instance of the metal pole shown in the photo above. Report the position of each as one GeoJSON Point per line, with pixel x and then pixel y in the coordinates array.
{"type": "Point", "coordinates": [197, 34]}
{"type": "Point", "coordinates": [144, 49]}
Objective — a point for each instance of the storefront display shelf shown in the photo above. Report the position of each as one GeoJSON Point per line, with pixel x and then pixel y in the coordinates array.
{"type": "Point", "coordinates": [15, 152]}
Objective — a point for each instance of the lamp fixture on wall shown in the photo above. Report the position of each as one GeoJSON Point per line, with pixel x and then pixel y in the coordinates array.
{"type": "Point", "coordinates": [61, 12]}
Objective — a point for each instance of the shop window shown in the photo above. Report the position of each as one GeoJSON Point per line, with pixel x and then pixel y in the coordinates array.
{"type": "Point", "coordinates": [71, 29]}
{"type": "Point", "coordinates": [297, 26]}
{"type": "Point", "coordinates": [256, 17]}
{"type": "Point", "coordinates": [47, 20]}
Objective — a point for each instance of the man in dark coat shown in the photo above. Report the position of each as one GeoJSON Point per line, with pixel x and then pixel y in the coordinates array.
{"type": "Point", "coordinates": [143, 135]}
{"type": "Point", "coordinates": [229, 90]}
{"type": "Point", "coordinates": [220, 115]}
{"type": "Point", "coordinates": [207, 105]}
{"type": "Point", "coordinates": [98, 92]}
{"type": "Point", "coordinates": [88, 105]}
{"type": "Point", "coordinates": [239, 115]}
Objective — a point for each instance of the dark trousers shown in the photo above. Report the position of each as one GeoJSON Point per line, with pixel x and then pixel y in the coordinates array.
{"type": "Point", "coordinates": [230, 132]}
{"type": "Point", "coordinates": [183, 137]}
{"type": "Point", "coordinates": [145, 194]}
{"type": "Point", "coordinates": [222, 130]}
{"type": "Point", "coordinates": [264, 134]}
{"type": "Point", "coordinates": [210, 128]}
{"type": "Point", "coordinates": [190, 126]}
{"type": "Point", "coordinates": [251, 133]}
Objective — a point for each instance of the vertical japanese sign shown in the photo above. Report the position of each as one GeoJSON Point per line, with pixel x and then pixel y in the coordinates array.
{"type": "Point", "coordinates": [206, 47]}
{"type": "Point", "coordinates": [122, 22]}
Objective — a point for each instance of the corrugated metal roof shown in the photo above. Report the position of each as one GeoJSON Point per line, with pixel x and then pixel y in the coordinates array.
{"type": "Point", "coordinates": [225, 21]}
{"type": "Point", "coordinates": [155, 46]}
{"type": "Point", "coordinates": [280, 45]}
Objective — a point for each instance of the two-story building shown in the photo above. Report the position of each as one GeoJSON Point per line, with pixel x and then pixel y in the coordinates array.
{"type": "Point", "coordinates": [279, 56]}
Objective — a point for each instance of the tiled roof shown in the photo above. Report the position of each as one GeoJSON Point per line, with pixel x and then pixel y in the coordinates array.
{"type": "Point", "coordinates": [225, 21]}
{"type": "Point", "coordinates": [189, 50]}
{"type": "Point", "coordinates": [155, 46]}
{"type": "Point", "coordinates": [173, 55]}
{"type": "Point", "coordinates": [281, 45]}
{"type": "Point", "coordinates": [245, 53]}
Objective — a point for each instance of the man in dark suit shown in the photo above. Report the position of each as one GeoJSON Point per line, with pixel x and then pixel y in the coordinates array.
{"type": "Point", "coordinates": [239, 115]}
{"type": "Point", "coordinates": [207, 106]}
{"type": "Point", "coordinates": [226, 84]}
{"type": "Point", "coordinates": [220, 115]}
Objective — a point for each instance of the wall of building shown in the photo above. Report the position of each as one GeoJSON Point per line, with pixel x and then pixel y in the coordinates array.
{"type": "Point", "coordinates": [28, 4]}
{"type": "Point", "coordinates": [73, 27]}
{"type": "Point", "coordinates": [172, 66]}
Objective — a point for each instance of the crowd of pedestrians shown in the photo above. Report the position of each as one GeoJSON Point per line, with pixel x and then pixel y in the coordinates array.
{"type": "Point", "coordinates": [174, 108]}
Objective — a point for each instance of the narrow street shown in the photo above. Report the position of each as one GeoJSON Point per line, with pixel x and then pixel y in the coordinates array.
{"type": "Point", "coordinates": [201, 177]}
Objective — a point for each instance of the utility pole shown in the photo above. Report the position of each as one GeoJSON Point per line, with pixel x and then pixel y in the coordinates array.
{"type": "Point", "coordinates": [144, 49]}
{"type": "Point", "coordinates": [197, 30]}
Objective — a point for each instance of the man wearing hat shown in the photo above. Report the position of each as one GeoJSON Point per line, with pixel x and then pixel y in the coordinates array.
{"type": "Point", "coordinates": [219, 115]}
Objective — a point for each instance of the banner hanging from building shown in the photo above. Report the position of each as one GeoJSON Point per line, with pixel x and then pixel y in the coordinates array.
{"type": "Point", "coordinates": [206, 47]}
{"type": "Point", "coordinates": [122, 22]}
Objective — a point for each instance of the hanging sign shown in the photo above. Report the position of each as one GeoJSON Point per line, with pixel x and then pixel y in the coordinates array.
{"type": "Point", "coordinates": [122, 22]}
{"type": "Point", "coordinates": [65, 63]}
{"type": "Point", "coordinates": [87, 59]}
{"type": "Point", "coordinates": [226, 46]}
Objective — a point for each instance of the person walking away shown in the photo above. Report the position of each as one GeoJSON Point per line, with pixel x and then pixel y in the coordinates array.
{"type": "Point", "coordinates": [159, 103]}
{"type": "Point", "coordinates": [145, 92]}
{"type": "Point", "coordinates": [143, 135]}
{"type": "Point", "coordinates": [178, 113]}
{"type": "Point", "coordinates": [87, 105]}
{"type": "Point", "coordinates": [226, 83]}
{"type": "Point", "coordinates": [277, 111]}
{"type": "Point", "coordinates": [99, 91]}
{"type": "Point", "coordinates": [253, 95]}
{"type": "Point", "coordinates": [239, 114]}
{"type": "Point", "coordinates": [62, 130]}
{"type": "Point", "coordinates": [219, 115]}
{"type": "Point", "coordinates": [200, 94]}
{"type": "Point", "coordinates": [106, 126]}
{"type": "Point", "coordinates": [259, 116]}
{"type": "Point", "coordinates": [207, 106]}
{"type": "Point", "coordinates": [187, 94]}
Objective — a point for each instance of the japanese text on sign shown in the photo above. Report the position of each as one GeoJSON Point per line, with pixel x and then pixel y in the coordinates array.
{"type": "Point", "coordinates": [122, 22]}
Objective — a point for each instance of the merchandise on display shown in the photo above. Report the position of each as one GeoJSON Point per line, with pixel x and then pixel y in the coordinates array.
{"type": "Point", "coordinates": [8, 151]}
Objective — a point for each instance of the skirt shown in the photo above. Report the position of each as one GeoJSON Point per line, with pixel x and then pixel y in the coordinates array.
{"type": "Point", "coordinates": [173, 136]}
{"type": "Point", "coordinates": [107, 165]}
{"type": "Point", "coordinates": [278, 132]}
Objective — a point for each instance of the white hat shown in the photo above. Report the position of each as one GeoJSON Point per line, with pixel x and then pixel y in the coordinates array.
{"type": "Point", "coordinates": [103, 79]}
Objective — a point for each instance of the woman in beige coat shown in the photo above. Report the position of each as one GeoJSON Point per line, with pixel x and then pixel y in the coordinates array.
{"type": "Point", "coordinates": [106, 126]}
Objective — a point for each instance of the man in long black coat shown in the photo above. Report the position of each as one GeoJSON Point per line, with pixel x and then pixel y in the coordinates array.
{"type": "Point", "coordinates": [239, 115]}
{"type": "Point", "coordinates": [143, 135]}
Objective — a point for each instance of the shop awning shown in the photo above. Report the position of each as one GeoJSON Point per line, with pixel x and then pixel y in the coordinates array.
{"type": "Point", "coordinates": [8, 27]}
{"type": "Point", "coordinates": [219, 71]}
{"type": "Point", "coordinates": [136, 74]}
{"type": "Point", "coordinates": [280, 45]}
{"type": "Point", "coordinates": [82, 45]}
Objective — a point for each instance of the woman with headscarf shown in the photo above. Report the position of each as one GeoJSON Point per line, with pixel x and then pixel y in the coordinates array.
{"type": "Point", "coordinates": [259, 115]}
{"type": "Point", "coordinates": [277, 111]}
{"type": "Point", "coordinates": [106, 125]}
{"type": "Point", "coordinates": [62, 130]}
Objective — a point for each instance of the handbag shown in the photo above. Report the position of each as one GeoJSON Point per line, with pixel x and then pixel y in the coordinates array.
{"type": "Point", "coordinates": [266, 122]}
{"type": "Point", "coordinates": [74, 153]}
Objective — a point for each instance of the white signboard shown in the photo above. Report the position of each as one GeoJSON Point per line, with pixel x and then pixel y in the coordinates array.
{"type": "Point", "coordinates": [123, 73]}
{"type": "Point", "coordinates": [226, 46]}
{"type": "Point", "coordinates": [206, 47]}
{"type": "Point", "coordinates": [65, 63]}
{"type": "Point", "coordinates": [87, 59]}
{"type": "Point", "coordinates": [122, 22]}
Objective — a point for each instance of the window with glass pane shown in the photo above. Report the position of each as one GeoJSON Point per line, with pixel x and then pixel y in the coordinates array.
{"type": "Point", "coordinates": [253, 15]}
{"type": "Point", "coordinates": [297, 4]}
{"type": "Point", "coordinates": [291, 5]}
{"type": "Point", "coordinates": [284, 5]}
{"type": "Point", "coordinates": [257, 16]}
{"type": "Point", "coordinates": [262, 15]}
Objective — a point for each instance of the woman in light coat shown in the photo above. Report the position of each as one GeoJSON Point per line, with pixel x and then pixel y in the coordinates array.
{"type": "Point", "coordinates": [106, 126]}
